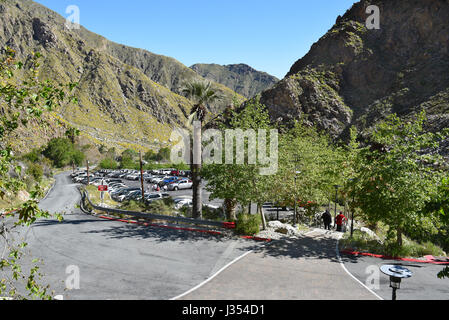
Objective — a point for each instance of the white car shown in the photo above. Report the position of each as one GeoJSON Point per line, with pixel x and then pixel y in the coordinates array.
{"type": "Point", "coordinates": [179, 203]}
{"type": "Point", "coordinates": [180, 185]}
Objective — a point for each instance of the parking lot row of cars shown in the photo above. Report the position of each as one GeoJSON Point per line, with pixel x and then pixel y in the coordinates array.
{"type": "Point", "coordinates": [121, 192]}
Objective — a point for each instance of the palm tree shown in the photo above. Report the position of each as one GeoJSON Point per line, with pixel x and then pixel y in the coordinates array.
{"type": "Point", "coordinates": [72, 133]}
{"type": "Point", "coordinates": [201, 94]}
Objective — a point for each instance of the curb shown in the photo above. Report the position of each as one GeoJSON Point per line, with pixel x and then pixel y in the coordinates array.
{"type": "Point", "coordinates": [356, 253]}
{"type": "Point", "coordinates": [227, 225]}
{"type": "Point", "coordinates": [146, 224]}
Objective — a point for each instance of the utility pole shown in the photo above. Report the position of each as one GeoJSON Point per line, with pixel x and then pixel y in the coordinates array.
{"type": "Point", "coordinates": [295, 213]}
{"type": "Point", "coordinates": [88, 180]}
{"type": "Point", "coordinates": [141, 176]}
{"type": "Point", "coordinates": [336, 199]}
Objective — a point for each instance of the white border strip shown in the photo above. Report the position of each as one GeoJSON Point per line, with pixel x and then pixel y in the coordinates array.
{"type": "Point", "coordinates": [352, 276]}
{"type": "Point", "coordinates": [212, 277]}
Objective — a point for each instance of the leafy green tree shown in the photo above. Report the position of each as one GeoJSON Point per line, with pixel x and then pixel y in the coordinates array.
{"type": "Point", "coordinates": [131, 154]}
{"type": "Point", "coordinates": [108, 163]}
{"type": "Point", "coordinates": [239, 183]}
{"type": "Point", "coordinates": [439, 205]}
{"type": "Point", "coordinates": [202, 94]}
{"type": "Point", "coordinates": [127, 160]}
{"type": "Point", "coordinates": [397, 176]}
{"type": "Point", "coordinates": [63, 153]}
{"type": "Point", "coordinates": [150, 156]}
{"type": "Point", "coordinates": [22, 98]}
{"type": "Point", "coordinates": [163, 154]}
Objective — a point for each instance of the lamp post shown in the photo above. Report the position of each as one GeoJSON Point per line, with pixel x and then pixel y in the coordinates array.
{"type": "Point", "coordinates": [296, 195]}
{"type": "Point", "coordinates": [352, 211]}
{"type": "Point", "coordinates": [336, 199]}
{"type": "Point", "coordinates": [396, 274]}
{"type": "Point", "coordinates": [88, 178]}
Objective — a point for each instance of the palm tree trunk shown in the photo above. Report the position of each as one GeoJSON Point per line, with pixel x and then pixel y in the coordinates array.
{"type": "Point", "coordinates": [196, 168]}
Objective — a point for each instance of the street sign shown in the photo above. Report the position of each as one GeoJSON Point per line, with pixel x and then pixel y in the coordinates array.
{"type": "Point", "coordinates": [102, 188]}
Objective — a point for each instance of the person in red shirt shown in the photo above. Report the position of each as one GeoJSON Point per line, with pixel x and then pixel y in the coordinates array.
{"type": "Point", "coordinates": [339, 220]}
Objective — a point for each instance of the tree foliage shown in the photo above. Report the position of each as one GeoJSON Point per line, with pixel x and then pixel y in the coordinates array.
{"type": "Point", "coordinates": [397, 175]}
{"type": "Point", "coordinates": [63, 153]}
{"type": "Point", "coordinates": [22, 97]}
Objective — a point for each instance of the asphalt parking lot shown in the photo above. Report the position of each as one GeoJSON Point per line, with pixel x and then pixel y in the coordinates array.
{"type": "Point", "coordinates": [180, 193]}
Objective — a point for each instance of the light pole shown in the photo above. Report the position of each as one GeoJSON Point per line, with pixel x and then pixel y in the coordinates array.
{"type": "Point", "coordinates": [336, 199]}
{"type": "Point", "coordinates": [396, 274]}
{"type": "Point", "coordinates": [296, 194]}
{"type": "Point", "coordinates": [352, 209]}
{"type": "Point", "coordinates": [88, 179]}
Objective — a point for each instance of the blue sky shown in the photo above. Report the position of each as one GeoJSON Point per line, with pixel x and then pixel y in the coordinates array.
{"type": "Point", "coordinates": [267, 35]}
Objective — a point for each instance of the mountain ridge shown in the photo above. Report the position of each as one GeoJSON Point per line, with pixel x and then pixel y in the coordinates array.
{"type": "Point", "coordinates": [240, 78]}
{"type": "Point", "coordinates": [115, 88]}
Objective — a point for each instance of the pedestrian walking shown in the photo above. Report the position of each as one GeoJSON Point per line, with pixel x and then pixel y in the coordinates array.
{"type": "Point", "coordinates": [340, 220]}
{"type": "Point", "coordinates": [327, 219]}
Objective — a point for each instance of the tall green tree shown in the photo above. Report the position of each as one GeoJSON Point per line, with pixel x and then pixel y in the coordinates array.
{"type": "Point", "coordinates": [63, 153]}
{"type": "Point", "coordinates": [201, 94]}
{"type": "Point", "coordinates": [398, 174]}
{"type": "Point", "coordinates": [240, 183]}
{"type": "Point", "coordinates": [309, 166]}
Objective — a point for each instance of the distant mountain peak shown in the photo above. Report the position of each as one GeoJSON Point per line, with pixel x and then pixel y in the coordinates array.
{"type": "Point", "coordinates": [240, 77]}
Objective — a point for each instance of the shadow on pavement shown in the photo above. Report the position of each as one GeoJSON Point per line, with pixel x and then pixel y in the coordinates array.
{"type": "Point", "coordinates": [304, 247]}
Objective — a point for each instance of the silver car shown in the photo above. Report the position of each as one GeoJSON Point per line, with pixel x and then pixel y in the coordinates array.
{"type": "Point", "coordinates": [180, 185]}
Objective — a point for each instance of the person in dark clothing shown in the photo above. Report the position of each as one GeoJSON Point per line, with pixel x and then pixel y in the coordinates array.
{"type": "Point", "coordinates": [327, 219]}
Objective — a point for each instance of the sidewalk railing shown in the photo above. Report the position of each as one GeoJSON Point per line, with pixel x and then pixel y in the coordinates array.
{"type": "Point", "coordinates": [151, 216]}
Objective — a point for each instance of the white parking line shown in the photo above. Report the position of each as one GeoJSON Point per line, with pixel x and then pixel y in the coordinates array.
{"type": "Point", "coordinates": [212, 277]}
{"type": "Point", "coordinates": [346, 270]}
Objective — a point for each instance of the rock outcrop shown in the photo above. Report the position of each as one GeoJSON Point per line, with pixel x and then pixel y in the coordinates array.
{"type": "Point", "coordinates": [356, 76]}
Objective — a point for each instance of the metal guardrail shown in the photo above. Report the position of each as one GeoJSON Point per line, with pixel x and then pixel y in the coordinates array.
{"type": "Point", "coordinates": [152, 216]}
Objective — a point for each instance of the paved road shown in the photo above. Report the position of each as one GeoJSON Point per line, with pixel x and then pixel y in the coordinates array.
{"type": "Point", "coordinates": [120, 261]}
{"type": "Point", "coordinates": [423, 285]}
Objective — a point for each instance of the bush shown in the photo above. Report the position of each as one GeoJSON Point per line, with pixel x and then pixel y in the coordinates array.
{"type": "Point", "coordinates": [248, 224]}
{"type": "Point", "coordinates": [36, 171]}
{"type": "Point", "coordinates": [33, 156]}
{"type": "Point", "coordinates": [63, 152]}
{"type": "Point", "coordinates": [162, 207]}
{"type": "Point", "coordinates": [108, 163]}
{"type": "Point", "coordinates": [213, 214]}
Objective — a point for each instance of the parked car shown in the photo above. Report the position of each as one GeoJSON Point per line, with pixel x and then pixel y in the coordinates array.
{"type": "Point", "coordinates": [155, 196]}
{"type": "Point", "coordinates": [168, 180]}
{"type": "Point", "coordinates": [132, 195]}
{"type": "Point", "coordinates": [179, 203]}
{"type": "Point", "coordinates": [180, 185]}
{"type": "Point", "coordinates": [119, 193]}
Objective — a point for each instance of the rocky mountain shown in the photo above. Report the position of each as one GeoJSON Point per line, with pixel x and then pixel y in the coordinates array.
{"type": "Point", "coordinates": [241, 78]}
{"type": "Point", "coordinates": [128, 97]}
{"type": "Point", "coordinates": [356, 76]}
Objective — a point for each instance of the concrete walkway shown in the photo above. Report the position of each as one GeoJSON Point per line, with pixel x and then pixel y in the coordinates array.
{"type": "Point", "coordinates": [296, 269]}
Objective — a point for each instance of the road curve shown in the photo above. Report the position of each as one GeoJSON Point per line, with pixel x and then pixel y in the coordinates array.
{"type": "Point", "coordinates": [121, 261]}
